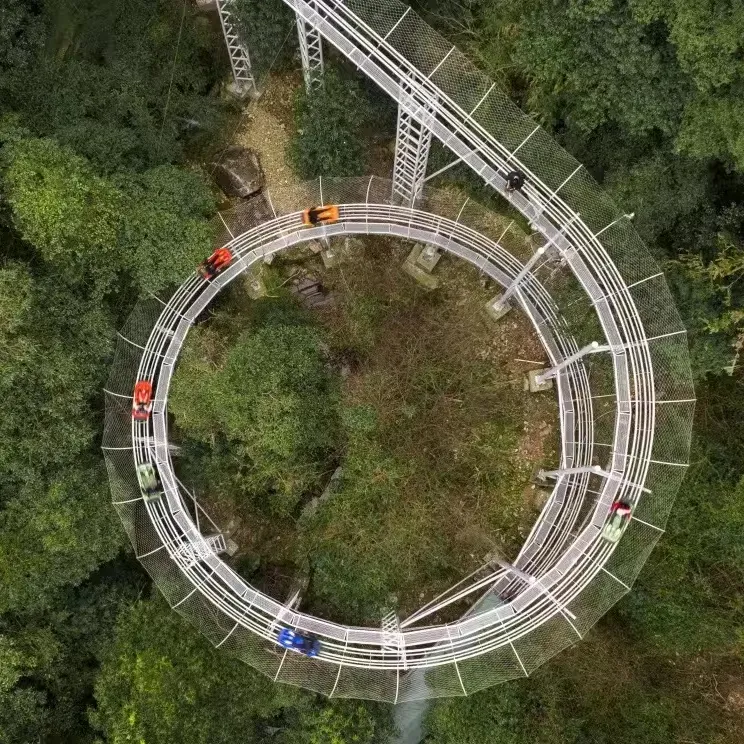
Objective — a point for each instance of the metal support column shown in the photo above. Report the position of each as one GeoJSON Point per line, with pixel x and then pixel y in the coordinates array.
{"type": "Point", "coordinates": [500, 302]}
{"type": "Point", "coordinates": [240, 60]}
{"type": "Point", "coordinates": [311, 51]}
{"type": "Point", "coordinates": [592, 348]}
{"type": "Point", "coordinates": [412, 145]}
{"type": "Point", "coordinates": [595, 470]}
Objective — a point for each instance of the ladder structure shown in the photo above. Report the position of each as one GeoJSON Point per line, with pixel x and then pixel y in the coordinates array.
{"type": "Point", "coordinates": [240, 60]}
{"type": "Point", "coordinates": [412, 146]}
{"type": "Point", "coordinates": [311, 53]}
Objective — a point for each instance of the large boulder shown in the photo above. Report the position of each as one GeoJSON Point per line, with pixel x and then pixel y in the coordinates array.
{"type": "Point", "coordinates": [239, 172]}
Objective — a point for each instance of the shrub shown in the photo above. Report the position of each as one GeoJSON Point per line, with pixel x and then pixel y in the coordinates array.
{"type": "Point", "coordinates": [267, 26]}
{"type": "Point", "coordinates": [328, 123]}
{"type": "Point", "coordinates": [272, 397]}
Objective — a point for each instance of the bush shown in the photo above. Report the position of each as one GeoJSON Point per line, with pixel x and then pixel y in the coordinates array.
{"type": "Point", "coordinates": [328, 124]}
{"type": "Point", "coordinates": [272, 397]}
{"type": "Point", "coordinates": [267, 26]}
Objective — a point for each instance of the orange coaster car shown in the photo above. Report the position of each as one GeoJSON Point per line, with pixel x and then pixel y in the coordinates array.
{"type": "Point", "coordinates": [216, 263]}
{"type": "Point", "coordinates": [142, 401]}
{"type": "Point", "coordinates": [320, 215]}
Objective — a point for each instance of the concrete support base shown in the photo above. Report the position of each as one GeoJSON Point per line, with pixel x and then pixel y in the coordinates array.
{"type": "Point", "coordinates": [541, 483]}
{"type": "Point", "coordinates": [498, 309]}
{"type": "Point", "coordinates": [331, 255]}
{"type": "Point", "coordinates": [242, 92]}
{"type": "Point", "coordinates": [533, 385]}
{"type": "Point", "coordinates": [255, 286]}
{"type": "Point", "coordinates": [420, 263]}
{"type": "Point", "coordinates": [231, 547]}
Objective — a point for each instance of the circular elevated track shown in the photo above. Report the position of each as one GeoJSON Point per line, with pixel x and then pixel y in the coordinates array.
{"type": "Point", "coordinates": [615, 446]}
{"type": "Point", "coordinates": [600, 306]}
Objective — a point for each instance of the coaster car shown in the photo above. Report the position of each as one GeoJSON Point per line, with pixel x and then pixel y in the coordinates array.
{"type": "Point", "coordinates": [618, 522]}
{"type": "Point", "coordinates": [216, 263]}
{"type": "Point", "coordinates": [142, 401]}
{"type": "Point", "coordinates": [149, 482]}
{"type": "Point", "coordinates": [302, 644]}
{"type": "Point", "coordinates": [515, 180]}
{"type": "Point", "coordinates": [320, 215]}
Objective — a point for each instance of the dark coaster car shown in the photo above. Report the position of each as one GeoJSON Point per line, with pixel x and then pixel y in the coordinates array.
{"type": "Point", "coordinates": [515, 180]}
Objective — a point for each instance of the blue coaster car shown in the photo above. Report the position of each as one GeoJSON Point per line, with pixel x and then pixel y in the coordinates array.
{"type": "Point", "coordinates": [302, 644]}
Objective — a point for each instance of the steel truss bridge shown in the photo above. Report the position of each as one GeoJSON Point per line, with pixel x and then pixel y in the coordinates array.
{"type": "Point", "coordinates": [598, 302]}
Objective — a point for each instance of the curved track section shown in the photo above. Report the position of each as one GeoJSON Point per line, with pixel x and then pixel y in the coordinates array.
{"type": "Point", "coordinates": [627, 411]}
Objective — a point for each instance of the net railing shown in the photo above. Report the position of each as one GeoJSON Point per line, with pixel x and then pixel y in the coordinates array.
{"type": "Point", "coordinates": [627, 410]}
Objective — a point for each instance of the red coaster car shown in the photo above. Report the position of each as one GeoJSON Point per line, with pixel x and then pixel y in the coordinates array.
{"type": "Point", "coordinates": [216, 263]}
{"type": "Point", "coordinates": [142, 401]}
{"type": "Point", "coordinates": [320, 215]}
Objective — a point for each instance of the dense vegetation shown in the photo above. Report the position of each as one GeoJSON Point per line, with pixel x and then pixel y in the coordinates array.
{"type": "Point", "coordinates": [105, 111]}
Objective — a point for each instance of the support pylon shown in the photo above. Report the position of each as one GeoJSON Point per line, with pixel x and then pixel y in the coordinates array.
{"type": "Point", "coordinates": [412, 146]}
{"type": "Point", "coordinates": [240, 60]}
{"type": "Point", "coordinates": [311, 52]}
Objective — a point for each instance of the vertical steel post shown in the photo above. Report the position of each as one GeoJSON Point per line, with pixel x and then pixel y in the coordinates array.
{"type": "Point", "coordinates": [311, 51]}
{"type": "Point", "coordinates": [240, 60]}
{"type": "Point", "coordinates": [412, 145]}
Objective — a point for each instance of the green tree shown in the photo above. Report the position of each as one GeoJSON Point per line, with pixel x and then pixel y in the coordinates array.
{"type": "Point", "coordinates": [272, 396]}
{"type": "Point", "coordinates": [329, 122]}
{"type": "Point", "coordinates": [102, 82]}
{"type": "Point", "coordinates": [62, 208]}
{"type": "Point", "coordinates": [164, 232]}
{"type": "Point", "coordinates": [267, 26]}
{"type": "Point", "coordinates": [55, 534]}
{"type": "Point", "coordinates": [95, 232]}
{"type": "Point", "coordinates": [161, 681]}
{"type": "Point", "coordinates": [340, 722]}
{"type": "Point", "coordinates": [23, 659]}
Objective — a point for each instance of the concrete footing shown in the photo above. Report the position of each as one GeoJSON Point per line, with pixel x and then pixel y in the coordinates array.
{"type": "Point", "coordinates": [533, 385]}
{"type": "Point", "coordinates": [255, 286]}
{"type": "Point", "coordinates": [498, 309]}
{"type": "Point", "coordinates": [421, 262]}
{"type": "Point", "coordinates": [242, 92]}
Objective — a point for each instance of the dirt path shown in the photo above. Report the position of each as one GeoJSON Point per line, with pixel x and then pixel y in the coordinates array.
{"type": "Point", "coordinates": [268, 128]}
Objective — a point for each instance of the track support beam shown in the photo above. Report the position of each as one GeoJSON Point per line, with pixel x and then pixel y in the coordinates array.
{"type": "Point", "coordinates": [548, 374]}
{"type": "Point", "coordinates": [499, 305]}
{"type": "Point", "coordinates": [240, 60]}
{"type": "Point", "coordinates": [412, 146]}
{"type": "Point", "coordinates": [311, 52]}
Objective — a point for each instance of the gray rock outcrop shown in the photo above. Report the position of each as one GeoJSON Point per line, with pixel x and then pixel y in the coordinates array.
{"type": "Point", "coordinates": [239, 172]}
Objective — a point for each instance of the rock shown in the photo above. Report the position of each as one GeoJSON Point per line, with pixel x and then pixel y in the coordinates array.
{"type": "Point", "coordinates": [239, 173]}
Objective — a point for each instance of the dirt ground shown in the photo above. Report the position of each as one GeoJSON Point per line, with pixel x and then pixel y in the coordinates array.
{"type": "Point", "coordinates": [267, 127]}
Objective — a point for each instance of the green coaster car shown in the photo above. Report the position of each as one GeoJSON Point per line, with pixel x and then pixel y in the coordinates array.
{"type": "Point", "coordinates": [618, 522]}
{"type": "Point", "coordinates": [149, 482]}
